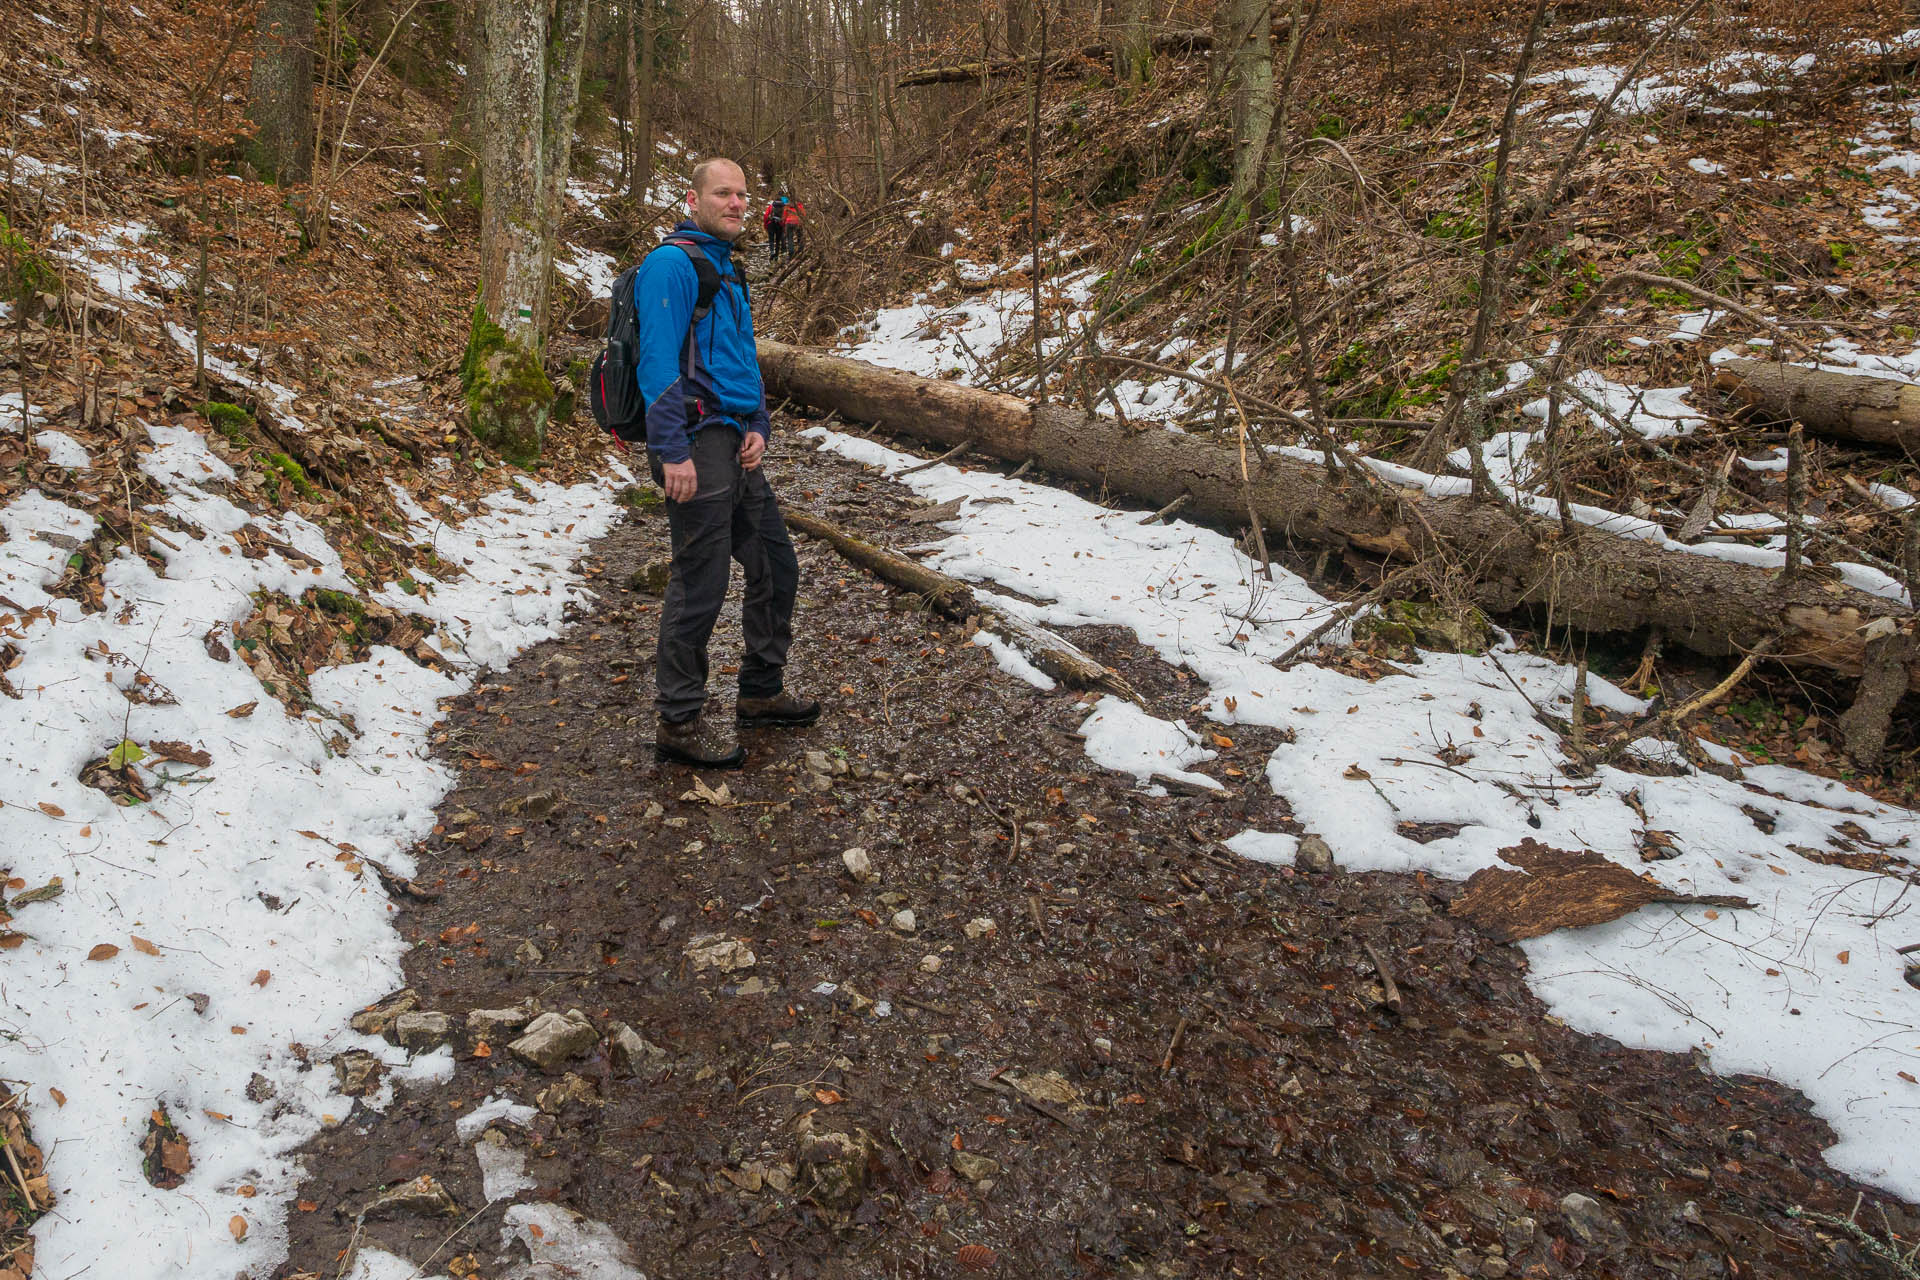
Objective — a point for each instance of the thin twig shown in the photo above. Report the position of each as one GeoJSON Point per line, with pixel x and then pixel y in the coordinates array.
{"type": "Point", "coordinates": [948, 456]}
{"type": "Point", "coordinates": [1387, 985]}
{"type": "Point", "coordinates": [1173, 1045]}
{"type": "Point", "coordinates": [1168, 510]}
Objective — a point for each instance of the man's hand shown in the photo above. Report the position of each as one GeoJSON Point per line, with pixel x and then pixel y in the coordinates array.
{"type": "Point", "coordinates": [681, 480]}
{"type": "Point", "coordinates": [753, 447]}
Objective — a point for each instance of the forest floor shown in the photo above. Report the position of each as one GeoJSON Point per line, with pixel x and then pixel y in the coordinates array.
{"type": "Point", "coordinates": [1103, 1046]}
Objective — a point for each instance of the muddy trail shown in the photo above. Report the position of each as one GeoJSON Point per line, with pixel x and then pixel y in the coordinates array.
{"type": "Point", "coordinates": [1098, 1045]}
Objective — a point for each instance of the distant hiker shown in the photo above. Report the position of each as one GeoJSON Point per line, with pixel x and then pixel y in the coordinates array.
{"type": "Point", "coordinates": [775, 222]}
{"type": "Point", "coordinates": [791, 216]}
{"type": "Point", "coordinates": [707, 430]}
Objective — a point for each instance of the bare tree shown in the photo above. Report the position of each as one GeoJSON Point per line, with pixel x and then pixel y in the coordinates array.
{"type": "Point", "coordinates": [1127, 33]}
{"type": "Point", "coordinates": [1245, 40]}
{"type": "Point", "coordinates": [640, 42]}
{"type": "Point", "coordinates": [532, 96]}
{"type": "Point", "coordinates": [280, 99]}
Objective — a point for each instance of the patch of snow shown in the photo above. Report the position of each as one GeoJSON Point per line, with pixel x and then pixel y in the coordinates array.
{"type": "Point", "coordinates": [1691, 326]}
{"type": "Point", "coordinates": [1276, 848]}
{"type": "Point", "coordinates": [251, 865]}
{"type": "Point", "coordinates": [1012, 661]}
{"type": "Point", "coordinates": [370, 1263]}
{"type": "Point", "coordinates": [113, 258]}
{"type": "Point", "coordinates": [27, 169]}
{"type": "Point", "coordinates": [14, 418]}
{"type": "Point", "coordinates": [63, 450]}
{"type": "Point", "coordinates": [1890, 497]}
{"type": "Point", "coordinates": [562, 1243]}
{"type": "Point", "coordinates": [1708, 167]}
{"type": "Point", "coordinates": [1907, 162]}
{"type": "Point", "coordinates": [503, 1170]}
{"type": "Point", "coordinates": [1653, 413]}
{"type": "Point", "coordinates": [471, 1125]}
{"type": "Point", "coordinates": [1122, 737]}
{"type": "Point", "coordinates": [593, 271]}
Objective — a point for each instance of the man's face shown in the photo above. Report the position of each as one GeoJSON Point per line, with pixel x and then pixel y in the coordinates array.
{"type": "Point", "coordinates": [721, 209]}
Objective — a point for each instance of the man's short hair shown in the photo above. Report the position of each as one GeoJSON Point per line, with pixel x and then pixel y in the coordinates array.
{"type": "Point", "coordinates": [705, 167]}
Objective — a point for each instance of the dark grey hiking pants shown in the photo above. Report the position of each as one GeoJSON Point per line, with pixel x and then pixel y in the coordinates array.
{"type": "Point", "coordinates": [733, 514]}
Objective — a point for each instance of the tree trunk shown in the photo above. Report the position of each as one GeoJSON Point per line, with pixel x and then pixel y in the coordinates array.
{"type": "Point", "coordinates": [559, 109]}
{"type": "Point", "coordinates": [280, 98]}
{"type": "Point", "coordinates": [1847, 405]}
{"type": "Point", "coordinates": [532, 93]}
{"type": "Point", "coordinates": [1598, 581]}
{"type": "Point", "coordinates": [1131, 42]}
{"type": "Point", "coordinates": [473, 85]}
{"type": "Point", "coordinates": [1244, 25]}
{"type": "Point", "coordinates": [640, 102]}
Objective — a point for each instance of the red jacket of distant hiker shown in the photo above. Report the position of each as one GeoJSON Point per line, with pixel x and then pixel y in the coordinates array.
{"type": "Point", "coordinates": [771, 216]}
{"type": "Point", "coordinates": [794, 210]}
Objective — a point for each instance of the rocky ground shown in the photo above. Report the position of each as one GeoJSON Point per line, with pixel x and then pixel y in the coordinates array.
{"type": "Point", "coordinates": [921, 991]}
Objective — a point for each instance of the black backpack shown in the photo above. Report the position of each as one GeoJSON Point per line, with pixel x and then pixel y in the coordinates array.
{"type": "Point", "coordinates": [613, 387]}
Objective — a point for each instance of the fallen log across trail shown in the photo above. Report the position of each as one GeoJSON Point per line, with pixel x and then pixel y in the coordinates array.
{"type": "Point", "coordinates": [1169, 42]}
{"type": "Point", "coordinates": [1052, 654]}
{"type": "Point", "coordinates": [1597, 580]}
{"type": "Point", "coordinates": [1850, 406]}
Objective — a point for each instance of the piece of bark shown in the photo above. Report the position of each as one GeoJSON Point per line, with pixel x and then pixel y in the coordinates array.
{"type": "Point", "coordinates": [1053, 654]}
{"type": "Point", "coordinates": [1864, 725]}
{"type": "Point", "coordinates": [1599, 581]}
{"type": "Point", "coordinates": [934, 515]}
{"type": "Point", "coordinates": [1562, 889]}
{"type": "Point", "coordinates": [1848, 405]}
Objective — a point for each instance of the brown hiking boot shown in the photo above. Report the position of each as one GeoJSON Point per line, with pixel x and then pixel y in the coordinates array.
{"type": "Point", "coordinates": [697, 742]}
{"type": "Point", "coordinates": [782, 711]}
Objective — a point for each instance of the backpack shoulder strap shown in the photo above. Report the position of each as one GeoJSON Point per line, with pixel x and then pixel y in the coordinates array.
{"type": "Point", "coordinates": [703, 268]}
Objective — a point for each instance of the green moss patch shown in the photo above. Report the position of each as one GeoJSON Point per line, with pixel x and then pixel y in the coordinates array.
{"type": "Point", "coordinates": [230, 420]}
{"type": "Point", "coordinates": [510, 399]}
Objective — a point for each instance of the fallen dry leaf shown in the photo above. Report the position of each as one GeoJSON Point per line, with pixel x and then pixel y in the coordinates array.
{"type": "Point", "coordinates": [976, 1257]}
{"type": "Point", "coordinates": [261, 978]}
{"type": "Point", "coordinates": [104, 951]}
{"type": "Point", "coordinates": [237, 1225]}
{"type": "Point", "coordinates": [828, 1097]}
{"type": "Point", "coordinates": [52, 810]}
{"type": "Point", "coordinates": [59, 1098]}
{"type": "Point", "coordinates": [244, 710]}
{"type": "Point", "coordinates": [144, 947]}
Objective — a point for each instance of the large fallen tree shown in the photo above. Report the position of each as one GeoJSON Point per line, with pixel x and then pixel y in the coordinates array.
{"type": "Point", "coordinates": [1594, 579]}
{"type": "Point", "coordinates": [1171, 42]}
{"type": "Point", "coordinates": [1849, 405]}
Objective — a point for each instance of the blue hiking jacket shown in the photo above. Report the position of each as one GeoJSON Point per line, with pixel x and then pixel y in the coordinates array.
{"type": "Point", "coordinates": [725, 380]}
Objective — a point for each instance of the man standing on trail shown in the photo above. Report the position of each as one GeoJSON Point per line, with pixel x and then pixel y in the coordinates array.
{"type": "Point", "coordinates": [707, 430]}
{"type": "Point", "coordinates": [775, 222]}
{"type": "Point", "coordinates": [791, 216]}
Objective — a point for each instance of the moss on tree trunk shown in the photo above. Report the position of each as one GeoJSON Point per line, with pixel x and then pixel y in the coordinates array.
{"type": "Point", "coordinates": [509, 397]}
